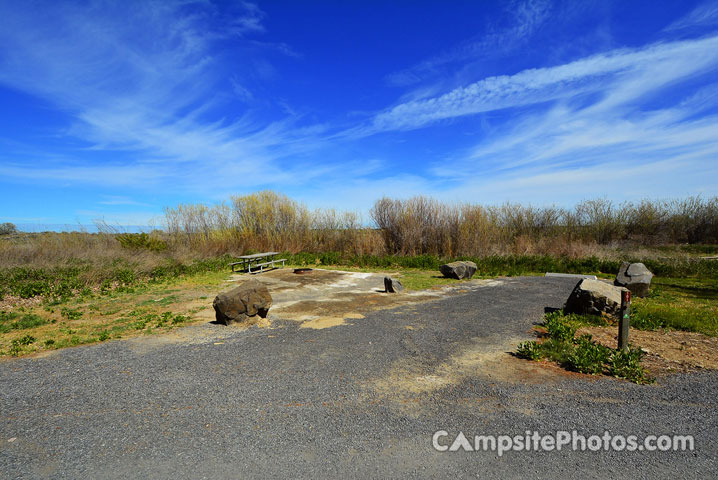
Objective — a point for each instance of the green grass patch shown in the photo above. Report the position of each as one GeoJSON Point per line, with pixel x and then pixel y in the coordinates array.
{"type": "Point", "coordinates": [10, 321]}
{"type": "Point", "coordinates": [162, 301]}
{"type": "Point", "coordinates": [689, 304]}
{"type": "Point", "coordinates": [647, 316]}
{"type": "Point", "coordinates": [79, 279]}
{"type": "Point", "coordinates": [413, 279]}
{"type": "Point", "coordinates": [70, 313]}
{"type": "Point", "coordinates": [58, 322]}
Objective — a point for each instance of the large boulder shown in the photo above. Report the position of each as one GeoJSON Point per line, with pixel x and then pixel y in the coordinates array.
{"type": "Point", "coordinates": [635, 277]}
{"type": "Point", "coordinates": [241, 304]}
{"type": "Point", "coordinates": [458, 270]}
{"type": "Point", "coordinates": [392, 285]}
{"type": "Point", "coordinates": [594, 297]}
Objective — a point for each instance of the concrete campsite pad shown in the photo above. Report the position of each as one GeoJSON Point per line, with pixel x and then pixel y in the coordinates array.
{"type": "Point", "coordinates": [326, 298]}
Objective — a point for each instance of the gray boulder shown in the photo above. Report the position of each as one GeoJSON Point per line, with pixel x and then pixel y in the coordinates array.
{"type": "Point", "coordinates": [458, 270]}
{"type": "Point", "coordinates": [634, 276]}
{"type": "Point", "coordinates": [241, 304]}
{"type": "Point", "coordinates": [594, 297]}
{"type": "Point", "coordinates": [392, 285]}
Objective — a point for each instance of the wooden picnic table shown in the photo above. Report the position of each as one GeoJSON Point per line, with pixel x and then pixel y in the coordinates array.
{"type": "Point", "coordinates": [255, 260]}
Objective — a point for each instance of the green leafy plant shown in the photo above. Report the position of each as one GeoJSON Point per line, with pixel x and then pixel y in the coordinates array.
{"type": "Point", "coordinates": [582, 354]}
{"type": "Point", "coordinates": [17, 344]}
{"type": "Point", "coordinates": [530, 350]}
{"type": "Point", "coordinates": [627, 364]}
{"type": "Point", "coordinates": [559, 327]}
{"type": "Point", "coordinates": [19, 321]}
{"type": "Point", "coordinates": [588, 356]}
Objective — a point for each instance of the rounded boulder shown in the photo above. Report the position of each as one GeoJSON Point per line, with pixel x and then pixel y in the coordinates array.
{"type": "Point", "coordinates": [250, 299]}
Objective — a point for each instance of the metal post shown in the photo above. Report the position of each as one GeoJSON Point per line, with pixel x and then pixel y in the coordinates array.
{"type": "Point", "coordinates": [624, 320]}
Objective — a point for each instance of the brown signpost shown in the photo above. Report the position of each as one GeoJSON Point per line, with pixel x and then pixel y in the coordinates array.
{"type": "Point", "coordinates": [624, 320]}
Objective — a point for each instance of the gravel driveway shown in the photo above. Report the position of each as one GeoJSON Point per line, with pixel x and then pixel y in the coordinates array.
{"type": "Point", "coordinates": [360, 400]}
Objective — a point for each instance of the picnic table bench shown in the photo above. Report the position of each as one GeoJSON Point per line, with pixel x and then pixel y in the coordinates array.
{"type": "Point", "coordinates": [257, 260]}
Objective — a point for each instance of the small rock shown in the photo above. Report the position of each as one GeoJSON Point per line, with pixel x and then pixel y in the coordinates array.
{"type": "Point", "coordinates": [458, 270]}
{"type": "Point", "coordinates": [240, 304]}
{"type": "Point", "coordinates": [392, 285]}
{"type": "Point", "coordinates": [594, 297]}
{"type": "Point", "coordinates": [634, 276]}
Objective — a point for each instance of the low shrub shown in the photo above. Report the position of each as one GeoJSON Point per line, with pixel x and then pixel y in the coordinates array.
{"type": "Point", "coordinates": [627, 364]}
{"type": "Point", "coordinates": [530, 350]}
{"type": "Point", "coordinates": [559, 327]}
{"type": "Point", "coordinates": [141, 241]}
{"type": "Point", "coordinates": [7, 228]}
{"type": "Point", "coordinates": [588, 356]}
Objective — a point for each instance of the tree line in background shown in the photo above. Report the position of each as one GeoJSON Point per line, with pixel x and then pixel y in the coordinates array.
{"type": "Point", "coordinates": [421, 225]}
{"type": "Point", "coordinates": [509, 239]}
{"type": "Point", "coordinates": [418, 226]}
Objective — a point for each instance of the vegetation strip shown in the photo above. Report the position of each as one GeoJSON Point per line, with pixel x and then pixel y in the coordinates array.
{"type": "Point", "coordinates": [582, 354]}
{"type": "Point", "coordinates": [55, 282]}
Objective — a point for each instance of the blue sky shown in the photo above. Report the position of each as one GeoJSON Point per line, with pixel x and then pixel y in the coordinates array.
{"type": "Point", "coordinates": [115, 109]}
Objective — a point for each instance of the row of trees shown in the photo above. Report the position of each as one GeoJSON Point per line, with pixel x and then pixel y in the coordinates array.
{"type": "Point", "coordinates": [268, 220]}
{"type": "Point", "coordinates": [422, 225]}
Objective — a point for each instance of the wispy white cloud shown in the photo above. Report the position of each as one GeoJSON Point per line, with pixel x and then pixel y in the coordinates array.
{"type": "Point", "coordinates": [141, 83]}
{"type": "Point", "coordinates": [703, 15]}
{"type": "Point", "coordinates": [143, 78]}
{"type": "Point", "coordinates": [598, 124]}
{"type": "Point", "coordinates": [523, 18]}
{"type": "Point", "coordinates": [121, 200]}
{"type": "Point", "coordinates": [618, 73]}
